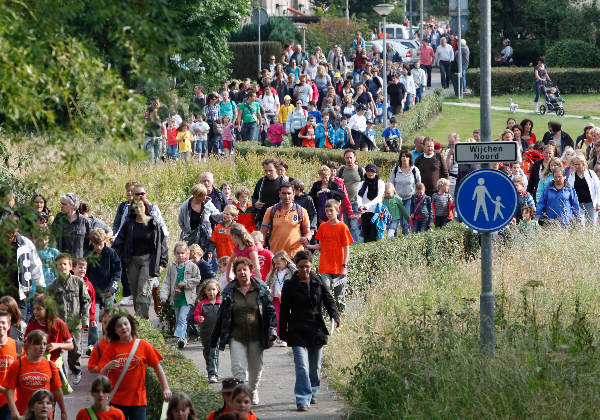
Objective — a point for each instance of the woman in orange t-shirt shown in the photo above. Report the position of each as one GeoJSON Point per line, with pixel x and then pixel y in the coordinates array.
{"type": "Point", "coordinates": [101, 388]}
{"type": "Point", "coordinates": [130, 396]}
{"type": "Point", "coordinates": [32, 372]}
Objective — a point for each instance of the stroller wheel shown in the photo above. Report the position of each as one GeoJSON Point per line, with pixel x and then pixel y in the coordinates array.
{"type": "Point", "coordinates": [542, 109]}
{"type": "Point", "coordinates": [560, 111]}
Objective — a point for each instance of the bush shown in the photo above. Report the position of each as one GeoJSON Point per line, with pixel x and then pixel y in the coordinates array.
{"type": "Point", "coordinates": [520, 80]}
{"type": "Point", "coordinates": [412, 121]}
{"type": "Point", "coordinates": [181, 373]}
{"type": "Point", "coordinates": [573, 53]}
{"type": "Point", "coordinates": [245, 57]}
{"type": "Point", "coordinates": [331, 31]}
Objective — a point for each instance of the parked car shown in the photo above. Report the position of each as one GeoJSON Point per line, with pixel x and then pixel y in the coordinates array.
{"type": "Point", "coordinates": [408, 49]}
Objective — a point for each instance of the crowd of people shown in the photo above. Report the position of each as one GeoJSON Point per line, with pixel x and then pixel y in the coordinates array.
{"type": "Point", "coordinates": [319, 100]}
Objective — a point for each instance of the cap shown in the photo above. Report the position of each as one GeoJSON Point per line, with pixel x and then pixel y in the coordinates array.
{"type": "Point", "coordinates": [337, 74]}
{"type": "Point", "coordinates": [230, 383]}
{"type": "Point", "coordinates": [369, 121]}
{"type": "Point", "coordinates": [360, 107]}
{"type": "Point", "coordinates": [287, 97]}
{"type": "Point", "coordinates": [371, 167]}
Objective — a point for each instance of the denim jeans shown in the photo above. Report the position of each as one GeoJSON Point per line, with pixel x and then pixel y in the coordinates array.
{"type": "Point", "coordinates": [407, 104]}
{"type": "Point", "coordinates": [419, 95]}
{"type": "Point", "coordinates": [357, 74]}
{"type": "Point", "coordinates": [353, 224]}
{"type": "Point", "coordinates": [152, 146]}
{"type": "Point", "coordinates": [181, 313]}
{"type": "Point", "coordinates": [211, 357]}
{"type": "Point", "coordinates": [445, 73]}
{"type": "Point", "coordinates": [132, 412]}
{"type": "Point", "coordinates": [173, 151]}
{"type": "Point", "coordinates": [464, 78]}
{"type": "Point", "coordinates": [246, 360]}
{"type": "Point", "coordinates": [307, 361]}
{"type": "Point", "coordinates": [591, 215]}
{"type": "Point", "coordinates": [5, 412]}
{"type": "Point", "coordinates": [338, 292]}
{"type": "Point", "coordinates": [213, 144]}
{"type": "Point", "coordinates": [405, 223]}
{"type": "Point", "coordinates": [250, 131]}
{"type": "Point", "coordinates": [201, 146]}
{"type": "Point", "coordinates": [420, 225]}
{"type": "Point", "coordinates": [392, 228]}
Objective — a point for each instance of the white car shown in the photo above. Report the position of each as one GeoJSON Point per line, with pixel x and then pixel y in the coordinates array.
{"type": "Point", "coordinates": [408, 49]}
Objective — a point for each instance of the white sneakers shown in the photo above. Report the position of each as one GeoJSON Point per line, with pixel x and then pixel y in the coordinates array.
{"type": "Point", "coordinates": [255, 399]}
{"type": "Point", "coordinates": [126, 301]}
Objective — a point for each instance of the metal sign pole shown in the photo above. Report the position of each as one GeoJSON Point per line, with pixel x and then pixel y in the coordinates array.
{"type": "Point", "coordinates": [459, 62]}
{"type": "Point", "coordinates": [486, 305]}
{"type": "Point", "coordinates": [259, 57]}
{"type": "Point", "coordinates": [421, 22]}
{"type": "Point", "coordinates": [410, 13]}
{"type": "Point", "coordinates": [385, 81]}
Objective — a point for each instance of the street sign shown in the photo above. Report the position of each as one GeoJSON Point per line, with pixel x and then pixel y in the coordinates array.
{"type": "Point", "coordinates": [259, 15]}
{"type": "Point", "coordinates": [497, 151]}
{"type": "Point", "coordinates": [464, 5]}
{"type": "Point", "coordinates": [486, 200]}
{"type": "Point", "coordinates": [464, 23]}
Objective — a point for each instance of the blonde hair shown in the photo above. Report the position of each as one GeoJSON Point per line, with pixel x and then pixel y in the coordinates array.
{"type": "Point", "coordinates": [518, 179]}
{"type": "Point", "coordinates": [231, 209]}
{"type": "Point", "coordinates": [271, 277]}
{"type": "Point", "coordinates": [441, 182]}
{"type": "Point", "coordinates": [420, 186]}
{"type": "Point", "coordinates": [240, 231]}
{"type": "Point", "coordinates": [507, 132]}
{"type": "Point", "coordinates": [196, 249]}
{"type": "Point", "coordinates": [324, 169]}
{"type": "Point", "coordinates": [257, 236]}
{"type": "Point", "coordinates": [181, 244]}
{"type": "Point", "coordinates": [578, 158]}
{"type": "Point", "coordinates": [390, 187]}
{"type": "Point", "coordinates": [332, 202]}
{"type": "Point", "coordinates": [198, 190]}
{"type": "Point", "coordinates": [240, 191]}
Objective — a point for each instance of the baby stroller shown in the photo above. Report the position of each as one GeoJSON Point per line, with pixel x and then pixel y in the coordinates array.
{"type": "Point", "coordinates": [553, 101]}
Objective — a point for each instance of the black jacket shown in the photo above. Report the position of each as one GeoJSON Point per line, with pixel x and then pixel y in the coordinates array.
{"type": "Point", "coordinates": [301, 320]}
{"type": "Point", "coordinates": [104, 270]}
{"type": "Point", "coordinates": [565, 140]}
{"type": "Point", "coordinates": [222, 331]}
{"type": "Point", "coordinates": [266, 191]}
{"type": "Point", "coordinates": [124, 245]}
{"type": "Point", "coordinates": [307, 202]}
{"type": "Point", "coordinates": [335, 192]}
{"type": "Point", "coordinates": [534, 177]}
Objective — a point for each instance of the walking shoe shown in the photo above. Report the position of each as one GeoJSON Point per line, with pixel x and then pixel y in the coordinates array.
{"type": "Point", "coordinates": [77, 379]}
{"type": "Point", "coordinates": [181, 344]}
{"type": "Point", "coordinates": [125, 301]}
{"type": "Point", "coordinates": [213, 379]}
{"type": "Point", "coordinates": [302, 407]}
{"type": "Point", "coordinates": [88, 352]}
{"type": "Point", "coordinates": [313, 400]}
{"type": "Point", "coordinates": [255, 399]}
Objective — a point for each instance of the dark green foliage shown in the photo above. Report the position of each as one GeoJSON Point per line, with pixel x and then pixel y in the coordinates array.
{"type": "Point", "coordinates": [573, 53]}
{"type": "Point", "coordinates": [520, 80]}
{"type": "Point", "coordinates": [245, 57]}
{"type": "Point", "coordinates": [279, 29]}
{"type": "Point", "coordinates": [409, 123]}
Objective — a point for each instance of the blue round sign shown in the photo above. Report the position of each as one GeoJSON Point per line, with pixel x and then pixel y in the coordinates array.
{"type": "Point", "coordinates": [486, 200]}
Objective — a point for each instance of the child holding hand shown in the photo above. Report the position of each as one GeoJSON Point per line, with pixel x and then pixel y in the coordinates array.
{"type": "Point", "coordinates": [244, 247]}
{"type": "Point", "coordinates": [421, 205]}
{"type": "Point", "coordinates": [396, 207]}
{"type": "Point", "coordinates": [205, 315]}
{"type": "Point", "coordinates": [442, 204]}
{"type": "Point", "coordinates": [282, 270]}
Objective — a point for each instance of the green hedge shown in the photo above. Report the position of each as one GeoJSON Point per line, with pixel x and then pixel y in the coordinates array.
{"type": "Point", "coordinates": [409, 123]}
{"type": "Point", "coordinates": [245, 57]}
{"type": "Point", "coordinates": [573, 53]}
{"type": "Point", "coordinates": [374, 260]}
{"type": "Point", "coordinates": [520, 80]}
{"type": "Point", "coordinates": [181, 373]}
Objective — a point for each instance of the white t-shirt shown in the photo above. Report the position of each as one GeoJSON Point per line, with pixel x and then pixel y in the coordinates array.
{"type": "Point", "coordinates": [358, 123]}
{"type": "Point", "coordinates": [269, 102]}
{"type": "Point", "coordinates": [198, 126]}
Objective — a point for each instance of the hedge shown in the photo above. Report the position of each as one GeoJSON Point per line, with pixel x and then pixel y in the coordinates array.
{"type": "Point", "coordinates": [372, 261]}
{"type": "Point", "coordinates": [520, 80]}
{"type": "Point", "coordinates": [245, 57]}
{"type": "Point", "coordinates": [181, 373]}
{"type": "Point", "coordinates": [573, 53]}
{"type": "Point", "coordinates": [409, 123]}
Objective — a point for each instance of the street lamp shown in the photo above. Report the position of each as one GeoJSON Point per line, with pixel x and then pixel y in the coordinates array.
{"type": "Point", "coordinates": [383, 10]}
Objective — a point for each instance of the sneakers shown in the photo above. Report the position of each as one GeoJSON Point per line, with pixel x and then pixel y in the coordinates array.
{"type": "Point", "coordinates": [125, 301]}
{"type": "Point", "coordinates": [181, 344]}
{"type": "Point", "coordinates": [255, 399]}
{"type": "Point", "coordinates": [88, 352]}
{"type": "Point", "coordinates": [77, 379]}
{"type": "Point", "coordinates": [302, 407]}
{"type": "Point", "coordinates": [213, 379]}
{"type": "Point", "coordinates": [313, 400]}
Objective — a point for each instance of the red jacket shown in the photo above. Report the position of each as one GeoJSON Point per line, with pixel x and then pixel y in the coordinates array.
{"type": "Point", "coordinates": [92, 294]}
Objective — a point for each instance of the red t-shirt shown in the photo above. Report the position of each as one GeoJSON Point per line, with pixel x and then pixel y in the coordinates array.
{"type": "Point", "coordinates": [27, 377]}
{"type": "Point", "coordinates": [333, 239]}
{"type": "Point", "coordinates": [221, 238]}
{"type": "Point", "coordinates": [96, 355]}
{"type": "Point", "coordinates": [8, 354]}
{"type": "Point", "coordinates": [132, 391]}
{"type": "Point", "coordinates": [112, 414]}
{"type": "Point", "coordinates": [308, 131]}
{"type": "Point", "coordinates": [92, 293]}
{"type": "Point", "coordinates": [265, 259]}
{"type": "Point", "coordinates": [427, 55]}
{"type": "Point", "coordinates": [172, 136]}
{"type": "Point", "coordinates": [60, 335]}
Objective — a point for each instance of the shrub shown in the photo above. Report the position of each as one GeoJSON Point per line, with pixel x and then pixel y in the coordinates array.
{"type": "Point", "coordinates": [415, 119]}
{"type": "Point", "coordinates": [331, 31]}
{"type": "Point", "coordinates": [573, 53]}
{"type": "Point", "coordinates": [181, 374]}
{"type": "Point", "coordinates": [245, 55]}
{"type": "Point", "coordinates": [520, 80]}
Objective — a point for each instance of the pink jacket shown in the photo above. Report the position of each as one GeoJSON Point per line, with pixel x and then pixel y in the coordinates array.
{"type": "Point", "coordinates": [275, 133]}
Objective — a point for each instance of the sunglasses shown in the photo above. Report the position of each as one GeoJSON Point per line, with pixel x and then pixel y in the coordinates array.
{"type": "Point", "coordinates": [140, 193]}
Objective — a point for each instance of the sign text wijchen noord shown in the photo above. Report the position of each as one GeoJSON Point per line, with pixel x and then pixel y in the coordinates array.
{"type": "Point", "coordinates": [500, 151]}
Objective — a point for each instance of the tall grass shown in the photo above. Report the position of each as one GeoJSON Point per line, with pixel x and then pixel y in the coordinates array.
{"type": "Point", "coordinates": [411, 350]}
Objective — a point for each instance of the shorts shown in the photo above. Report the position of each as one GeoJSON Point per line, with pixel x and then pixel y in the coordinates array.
{"type": "Point", "coordinates": [201, 146]}
{"type": "Point", "coordinates": [228, 144]}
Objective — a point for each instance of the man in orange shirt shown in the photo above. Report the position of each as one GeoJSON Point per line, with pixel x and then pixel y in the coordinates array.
{"type": "Point", "coordinates": [8, 354]}
{"type": "Point", "coordinates": [334, 242]}
{"type": "Point", "coordinates": [220, 237]}
{"type": "Point", "coordinates": [287, 223]}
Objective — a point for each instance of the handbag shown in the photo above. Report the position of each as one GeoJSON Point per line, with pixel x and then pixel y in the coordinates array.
{"type": "Point", "coordinates": [136, 343]}
{"type": "Point", "coordinates": [217, 128]}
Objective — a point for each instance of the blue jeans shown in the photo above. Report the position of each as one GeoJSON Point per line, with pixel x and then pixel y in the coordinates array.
{"type": "Point", "coordinates": [353, 224]}
{"type": "Point", "coordinates": [132, 412]}
{"type": "Point", "coordinates": [201, 146]}
{"type": "Point", "coordinates": [405, 224]}
{"type": "Point", "coordinates": [419, 95]}
{"type": "Point", "coordinates": [211, 357]}
{"type": "Point", "coordinates": [409, 97]}
{"type": "Point", "coordinates": [392, 228]}
{"type": "Point", "coordinates": [152, 146]}
{"type": "Point", "coordinates": [357, 74]}
{"type": "Point", "coordinates": [464, 78]}
{"type": "Point", "coordinates": [181, 313]}
{"type": "Point", "coordinates": [420, 225]}
{"type": "Point", "coordinates": [591, 215]}
{"type": "Point", "coordinates": [213, 144]}
{"type": "Point", "coordinates": [173, 151]}
{"type": "Point", "coordinates": [308, 373]}
{"type": "Point", "coordinates": [5, 412]}
{"type": "Point", "coordinates": [250, 131]}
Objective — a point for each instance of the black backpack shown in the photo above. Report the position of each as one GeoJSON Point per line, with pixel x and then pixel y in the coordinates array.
{"type": "Point", "coordinates": [414, 172]}
{"type": "Point", "coordinates": [361, 172]}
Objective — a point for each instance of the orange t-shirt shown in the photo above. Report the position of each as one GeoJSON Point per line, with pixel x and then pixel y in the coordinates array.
{"type": "Point", "coordinates": [132, 391]}
{"type": "Point", "coordinates": [27, 377]}
{"type": "Point", "coordinates": [220, 236]}
{"type": "Point", "coordinates": [333, 239]}
{"type": "Point", "coordinates": [249, 416]}
{"type": "Point", "coordinates": [60, 335]}
{"type": "Point", "coordinates": [246, 218]}
{"type": "Point", "coordinates": [8, 354]}
{"type": "Point", "coordinates": [112, 414]}
{"type": "Point", "coordinates": [285, 230]}
{"type": "Point", "coordinates": [95, 356]}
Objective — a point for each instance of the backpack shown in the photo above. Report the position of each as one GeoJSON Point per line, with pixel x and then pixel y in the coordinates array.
{"type": "Point", "coordinates": [295, 206]}
{"type": "Point", "coordinates": [414, 172]}
{"type": "Point", "coordinates": [361, 172]}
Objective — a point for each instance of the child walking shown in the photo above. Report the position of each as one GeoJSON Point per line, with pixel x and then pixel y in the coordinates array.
{"type": "Point", "coordinates": [421, 213]}
{"type": "Point", "coordinates": [265, 257]}
{"type": "Point", "coordinates": [334, 242]}
{"type": "Point", "coordinates": [184, 141]}
{"type": "Point", "coordinates": [275, 132]}
{"type": "Point", "coordinates": [179, 289]}
{"type": "Point", "coordinates": [245, 209]}
{"type": "Point", "coordinates": [244, 247]}
{"type": "Point", "coordinates": [281, 271]}
{"type": "Point", "coordinates": [80, 271]}
{"type": "Point", "coordinates": [442, 204]}
{"type": "Point", "coordinates": [227, 135]}
{"type": "Point", "coordinates": [396, 208]}
{"type": "Point", "coordinates": [205, 315]}
{"type": "Point", "coordinates": [221, 239]}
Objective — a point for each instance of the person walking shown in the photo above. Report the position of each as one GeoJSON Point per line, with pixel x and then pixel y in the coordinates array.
{"type": "Point", "coordinates": [444, 55]}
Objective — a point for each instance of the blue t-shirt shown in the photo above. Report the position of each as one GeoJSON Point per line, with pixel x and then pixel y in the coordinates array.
{"type": "Point", "coordinates": [391, 133]}
{"type": "Point", "coordinates": [48, 256]}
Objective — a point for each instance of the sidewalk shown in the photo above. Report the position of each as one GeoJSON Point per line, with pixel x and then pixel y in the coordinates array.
{"type": "Point", "coordinates": [505, 108]}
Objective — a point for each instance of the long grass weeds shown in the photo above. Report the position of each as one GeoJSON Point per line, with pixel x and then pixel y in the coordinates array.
{"type": "Point", "coordinates": [411, 349]}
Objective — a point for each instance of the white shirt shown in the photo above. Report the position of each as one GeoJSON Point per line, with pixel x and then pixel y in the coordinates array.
{"type": "Point", "coordinates": [269, 102]}
{"type": "Point", "coordinates": [358, 123]}
{"type": "Point", "coordinates": [311, 71]}
{"type": "Point", "coordinates": [371, 204]}
{"type": "Point", "coordinates": [409, 84]}
{"type": "Point", "coordinates": [444, 53]}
